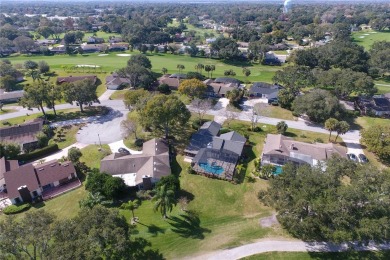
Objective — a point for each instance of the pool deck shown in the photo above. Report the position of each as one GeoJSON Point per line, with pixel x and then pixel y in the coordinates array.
{"type": "Point", "coordinates": [226, 174]}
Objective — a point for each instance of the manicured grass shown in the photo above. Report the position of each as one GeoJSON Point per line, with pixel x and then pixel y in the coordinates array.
{"type": "Point", "coordinates": [321, 255]}
{"type": "Point", "coordinates": [383, 89]}
{"type": "Point", "coordinates": [63, 207]}
{"type": "Point", "coordinates": [92, 156]}
{"type": "Point", "coordinates": [228, 216]}
{"type": "Point", "coordinates": [274, 111]}
{"type": "Point", "coordinates": [369, 39]}
{"type": "Point", "coordinates": [119, 94]}
{"type": "Point", "coordinates": [68, 139]}
{"type": "Point", "coordinates": [62, 115]}
{"type": "Point", "coordinates": [112, 62]}
{"type": "Point", "coordinates": [366, 121]}
{"type": "Point", "coordinates": [6, 110]}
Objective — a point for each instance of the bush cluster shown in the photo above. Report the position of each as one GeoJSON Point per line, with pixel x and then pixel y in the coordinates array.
{"type": "Point", "coordinates": [38, 153]}
{"type": "Point", "coordinates": [14, 209]}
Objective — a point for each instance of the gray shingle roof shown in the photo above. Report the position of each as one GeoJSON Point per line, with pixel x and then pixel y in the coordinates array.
{"type": "Point", "coordinates": [263, 88]}
{"type": "Point", "coordinates": [233, 136]}
{"type": "Point", "coordinates": [210, 128]}
{"type": "Point", "coordinates": [154, 161]}
{"type": "Point", "coordinates": [227, 80]}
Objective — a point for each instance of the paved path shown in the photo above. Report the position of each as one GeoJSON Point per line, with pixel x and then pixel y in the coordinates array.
{"type": "Point", "coordinates": [281, 246]}
{"type": "Point", "coordinates": [116, 145]}
{"type": "Point", "coordinates": [106, 95]}
{"type": "Point", "coordinates": [61, 153]}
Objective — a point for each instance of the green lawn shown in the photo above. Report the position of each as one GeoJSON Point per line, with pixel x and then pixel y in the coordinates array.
{"type": "Point", "coordinates": [92, 154]}
{"type": "Point", "coordinates": [62, 115]}
{"type": "Point", "coordinates": [69, 138]}
{"type": "Point", "coordinates": [112, 62]}
{"type": "Point", "coordinates": [6, 110]}
{"type": "Point", "coordinates": [383, 89]}
{"type": "Point", "coordinates": [352, 255]}
{"type": "Point", "coordinates": [367, 37]}
{"type": "Point", "coordinates": [274, 111]}
{"type": "Point", "coordinates": [119, 94]}
{"type": "Point", "coordinates": [365, 122]}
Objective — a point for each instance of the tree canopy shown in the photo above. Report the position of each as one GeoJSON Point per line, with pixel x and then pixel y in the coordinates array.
{"type": "Point", "coordinates": [193, 88]}
{"type": "Point", "coordinates": [315, 204]}
{"type": "Point", "coordinates": [83, 92]}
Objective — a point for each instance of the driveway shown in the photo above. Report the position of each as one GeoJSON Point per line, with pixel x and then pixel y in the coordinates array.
{"type": "Point", "coordinates": [105, 130]}
{"type": "Point", "coordinates": [60, 153]}
{"type": "Point", "coordinates": [118, 144]}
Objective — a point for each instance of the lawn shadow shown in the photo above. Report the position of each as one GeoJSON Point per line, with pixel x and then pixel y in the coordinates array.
{"type": "Point", "coordinates": [155, 230]}
{"type": "Point", "coordinates": [289, 134]}
{"type": "Point", "coordinates": [187, 194]}
{"type": "Point", "coordinates": [39, 205]}
{"type": "Point", "coordinates": [175, 167]}
{"type": "Point", "coordinates": [188, 226]}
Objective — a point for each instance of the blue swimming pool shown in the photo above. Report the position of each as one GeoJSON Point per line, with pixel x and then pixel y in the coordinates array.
{"type": "Point", "coordinates": [278, 170]}
{"type": "Point", "coordinates": [215, 169]}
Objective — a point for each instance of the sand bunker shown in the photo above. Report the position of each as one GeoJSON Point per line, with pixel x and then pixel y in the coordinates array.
{"type": "Point", "coordinates": [366, 34]}
{"type": "Point", "coordinates": [362, 37]}
{"type": "Point", "coordinates": [123, 55]}
{"type": "Point", "coordinates": [87, 66]}
{"type": "Point", "coordinates": [100, 55]}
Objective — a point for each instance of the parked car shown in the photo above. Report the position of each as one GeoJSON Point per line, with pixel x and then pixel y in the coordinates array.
{"type": "Point", "coordinates": [124, 151]}
{"type": "Point", "coordinates": [352, 157]}
{"type": "Point", "coordinates": [362, 158]}
{"type": "Point", "coordinates": [273, 101]}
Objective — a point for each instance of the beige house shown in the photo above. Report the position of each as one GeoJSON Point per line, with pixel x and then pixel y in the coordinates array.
{"type": "Point", "coordinates": [140, 170]}
{"type": "Point", "coordinates": [280, 150]}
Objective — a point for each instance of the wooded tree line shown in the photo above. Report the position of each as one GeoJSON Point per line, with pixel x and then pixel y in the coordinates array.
{"type": "Point", "coordinates": [344, 202]}
{"type": "Point", "coordinates": [93, 234]}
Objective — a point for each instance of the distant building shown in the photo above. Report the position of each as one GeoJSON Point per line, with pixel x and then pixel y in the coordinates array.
{"type": "Point", "coordinates": [263, 90]}
{"type": "Point", "coordinates": [13, 96]}
{"type": "Point", "coordinates": [94, 40]}
{"type": "Point", "coordinates": [71, 79]}
{"type": "Point", "coordinates": [172, 80]}
{"type": "Point", "coordinates": [115, 82]}
{"type": "Point", "coordinates": [378, 105]}
{"type": "Point", "coordinates": [220, 86]}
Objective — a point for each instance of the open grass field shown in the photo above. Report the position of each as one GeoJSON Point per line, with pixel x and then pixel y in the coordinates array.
{"type": "Point", "coordinates": [352, 255]}
{"type": "Point", "coordinates": [366, 38]}
{"type": "Point", "coordinates": [111, 62]}
{"type": "Point", "coordinates": [91, 155]}
{"type": "Point", "coordinates": [274, 111]}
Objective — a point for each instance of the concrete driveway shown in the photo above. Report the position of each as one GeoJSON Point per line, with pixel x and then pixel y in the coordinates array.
{"type": "Point", "coordinates": [118, 144]}
{"type": "Point", "coordinates": [105, 130]}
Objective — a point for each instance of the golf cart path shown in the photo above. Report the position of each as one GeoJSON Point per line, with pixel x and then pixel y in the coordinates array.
{"type": "Point", "coordinates": [282, 246]}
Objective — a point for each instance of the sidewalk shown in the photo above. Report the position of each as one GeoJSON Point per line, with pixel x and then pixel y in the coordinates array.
{"type": "Point", "coordinates": [63, 152]}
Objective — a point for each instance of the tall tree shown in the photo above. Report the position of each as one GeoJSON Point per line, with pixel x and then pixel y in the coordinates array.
{"type": "Point", "coordinates": [193, 88]}
{"type": "Point", "coordinates": [164, 200]}
{"type": "Point", "coordinates": [141, 60]}
{"type": "Point", "coordinates": [35, 95]}
{"type": "Point", "coordinates": [29, 238]}
{"type": "Point", "coordinates": [331, 125]}
{"type": "Point", "coordinates": [138, 76]}
{"type": "Point", "coordinates": [164, 112]}
{"type": "Point", "coordinates": [377, 140]}
{"type": "Point", "coordinates": [54, 93]}
{"type": "Point", "coordinates": [83, 92]}
{"type": "Point", "coordinates": [130, 205]}
{"type": "Point", "coordinates": [341, 128]}
{"type": "Point", "coordinates": [200, 107]}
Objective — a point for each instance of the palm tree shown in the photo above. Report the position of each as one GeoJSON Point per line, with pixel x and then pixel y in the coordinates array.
{"type": "Point", "coordinates": [207, 68]}
{"type": "Point", "coordinates": [341, 128]}
{"type": "Point", "coordinates": [199, 67]}
{"type": "Point", "coordinates": [180, 67]}
{"type": "Point", "coordinates": [331, 125]}
{"type": "Point", "coordinates": [165, 199]}
{"type": "Point", "coordinates": [130, 205]}
{"type": "Point", "coordinates": [212, 68]}
{"type": "Point", "coordinates": [164, 70]}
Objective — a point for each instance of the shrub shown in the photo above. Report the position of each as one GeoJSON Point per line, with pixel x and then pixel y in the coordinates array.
{"type": "Point", "coordinates": [15, 209]}
{"type": "Point", "coordinates": [145, 194]}
{"type": "Point", "coordinates": [318, 140]}
{"type": "Point", "coordinates": [38, 153]}
{"type": "Point", "coordinates": [139, 142]}
{"type": "Point", "coordinates": [224, 130]}
{"type": "Point", "coordinates": [164, 88]}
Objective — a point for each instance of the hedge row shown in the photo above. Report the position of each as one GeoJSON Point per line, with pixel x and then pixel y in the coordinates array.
{"type": "Point", "coordinates": [38, 153]}
{"type": "Point", "coordinates": [14, 209]}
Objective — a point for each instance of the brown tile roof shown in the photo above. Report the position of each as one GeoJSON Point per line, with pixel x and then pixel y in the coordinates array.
{"type": "Point", "coordinates": [4, 96]}
{"type": "Point", "coordinates": [23, 133]}
{"type": "Point", "coordinates": [53, 171]}
{"type": "Point", "coordinates": [171, 82]}
{"type": "Point", "coordinates": [24, 175]}
{"type": "Point", "coordinates": [282, 145]}
{"type": "Point", "coordinates": [154, 161]}
{"type": "Point", "coordinates": [71, 78]}
{"type": "Point", "coordinates": [7, 165]}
